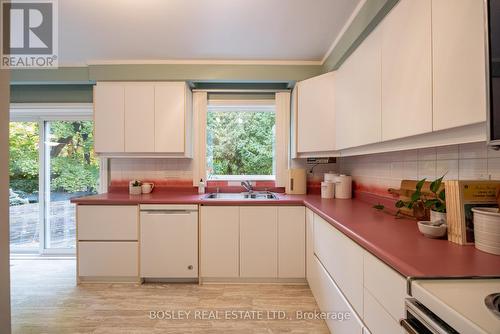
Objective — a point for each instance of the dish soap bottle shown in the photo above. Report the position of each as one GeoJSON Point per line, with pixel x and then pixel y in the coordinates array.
{"type": "Point", "coordinates": [201, 187]}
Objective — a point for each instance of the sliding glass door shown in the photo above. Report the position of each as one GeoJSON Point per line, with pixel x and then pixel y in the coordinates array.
{"type": "Point", "coordinates": [72, 170]}
{"type": "Point", "coordinates": [51, 162]}
{"type": "Point", "coordinates": [24, 169]}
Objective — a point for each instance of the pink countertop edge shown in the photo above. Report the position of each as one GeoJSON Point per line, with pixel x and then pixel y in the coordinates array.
{"type": "Point", "coordinates": [397, 242]}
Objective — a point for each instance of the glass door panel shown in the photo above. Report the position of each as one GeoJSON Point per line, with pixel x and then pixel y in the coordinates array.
{"type": "Point", "coordinates": [72, 170]}
{"type": "Point", "coordinates": [24, 172]}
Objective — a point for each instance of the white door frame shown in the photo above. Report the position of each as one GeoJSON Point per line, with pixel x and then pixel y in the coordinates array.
{"type": "Point", "coordinates": [44, 113]}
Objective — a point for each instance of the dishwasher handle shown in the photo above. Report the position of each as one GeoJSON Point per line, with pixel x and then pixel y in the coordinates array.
{"type": "Point", "coordinates": [167, 212]}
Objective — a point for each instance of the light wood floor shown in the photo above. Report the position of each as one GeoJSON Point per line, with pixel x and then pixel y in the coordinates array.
{"type": "Point", "coordinates": [45, 299]}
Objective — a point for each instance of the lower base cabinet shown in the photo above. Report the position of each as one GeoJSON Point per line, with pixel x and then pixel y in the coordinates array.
{"type": "Point", "coordinates": [252, 242]}
{"type": "Point", "coordinates": [113, 259]}
{"type": "Point", "coordinates": [330, 300]}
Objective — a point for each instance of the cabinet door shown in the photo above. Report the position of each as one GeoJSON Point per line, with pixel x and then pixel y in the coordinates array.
{"type": "Point", "coordinates": [259, 242]}
{"type": "Point", "coordinates": [406, 70]}
{"type": "Point", "coordinates": [309, 242]}
{"type": "Point", "coordinates": [219, 241]}
{"type": "Point", "coordinates": [330, 299]}
{"type": "Point", "coordinates": [358, 96]}
{"type": "Point", "coordinates": [139, 118]}
{"type": "Point", "coordinates": [170, 117]}
{"type": "Point", "coordinates": [385, 285]}
{"type": "Point", "coordinates": [377, 319]}
{"type": "Point", "coordinates": [169, 244]}
{"type": "Point", "coordinates": [316, 114]}
{"type": "Point", "coordinates": [342, 258]}
{"type": "Point", "coordinates": [458, 63]}
{"type": "Point", "coordinates": [291, 242]}
{"type": "Point", "coordinates": [108, 259]}
{"type": "Point", "coordinates": [109, 118]}
{"type": "Point", "coordinates": [107, 222]}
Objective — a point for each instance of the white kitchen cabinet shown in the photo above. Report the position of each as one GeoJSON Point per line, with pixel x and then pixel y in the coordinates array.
{"type": "Point", "coordinates": [358, 96]}
{"type": "Point", "coordinates": [109, 118]}
{"type": "Point", "coordinates": [107, 222]}
{"type": "Point", "coordinates": [377, 319]}
{"type": "Point", "coordinates": [406, 70]}
{"type": "Point", "coordinates": [309, 242]}
{"type": "Point", "coordinates": [219, 241]}
{"type": "Point", "coordinates": [385, 285]}
{"type": "Point", "coordinates": [316, 114]}
{"type": "Point", "coordinates": [169, 241]}
{"type": "Point", "coordinates": [459, 85]}
{"type": "Point", "coordinates": [330, 299]}
{"type": "Point", "coordinates": [172, 117]}
{"type": "Point", "coordinates": [258, 242]}
{"type": "Point", "coordinates": [140, 118]}
{"type": "Point", "coordinates": [143, 117]}
{"type": "Point", "coordinates": [108, 260]}
{"type": "Point", "coordinates": [342, 258]}
{"type": "Point", "coordinates": [291, 242]}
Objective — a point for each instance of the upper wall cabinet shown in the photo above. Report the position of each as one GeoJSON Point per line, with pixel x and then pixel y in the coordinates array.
{"type": "Point", "coordinates": [458, 63]}
{"type": "Point", "coordinates": [143, 117]}
{"type": "Point", "coordinates": [406, 70]}
{"type": "Point", "coordinates": [316, 114]}
{"type": "Point", "coordinates": [358, 96]}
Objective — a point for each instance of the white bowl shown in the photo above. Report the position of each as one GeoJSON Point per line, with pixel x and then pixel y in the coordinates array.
{"type": "Point", "coordinates": [431, 231]}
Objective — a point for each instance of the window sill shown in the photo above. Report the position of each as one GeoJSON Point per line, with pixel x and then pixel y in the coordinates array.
{"type": "Point", "coordinates": [242, 178]}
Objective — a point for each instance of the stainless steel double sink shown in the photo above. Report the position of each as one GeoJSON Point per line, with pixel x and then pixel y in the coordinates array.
{"type": "Point", "coordinates": [254, 195]}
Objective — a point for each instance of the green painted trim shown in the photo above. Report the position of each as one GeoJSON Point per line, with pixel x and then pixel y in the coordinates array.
{"type": "Point", "coordinates": [241, 96]}
{"type": "Point", "coordinates": [74, 75]}
{"type": "Point", "coordinates": [241, 85]}
{"type": "Point", "coordinates": [167, 72]}
{"type": "Point", "coordinates": [51, 93]}
{"type": "Point", "coordinates": [227, 73]}
{"type": "Point", "coordinates": [369, 16]}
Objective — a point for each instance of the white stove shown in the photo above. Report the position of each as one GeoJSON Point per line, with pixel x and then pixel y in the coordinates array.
{"type": "Point", "coordinates": [453, 306]}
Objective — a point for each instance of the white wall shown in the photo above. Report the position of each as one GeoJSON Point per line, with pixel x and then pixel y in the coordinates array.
{"type": "Point", "coordinates": [4, 204]}
{"type": "Point", "coordinates": [377, 172]}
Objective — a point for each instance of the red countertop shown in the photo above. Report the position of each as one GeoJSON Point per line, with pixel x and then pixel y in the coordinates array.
{"type": "Point", "coordinates": [397, 242]}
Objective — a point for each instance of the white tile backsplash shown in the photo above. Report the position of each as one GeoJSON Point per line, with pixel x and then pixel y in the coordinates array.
{"type": "Point", "coordinates": [150, 169]}
{"type": "Point", "coordinates": [468, 161]}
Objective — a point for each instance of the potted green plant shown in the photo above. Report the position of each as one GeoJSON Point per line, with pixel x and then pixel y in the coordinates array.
{"type": "Point", "coordinates": [421, 203]}
{"type": "Point", "coordinates": [437, 205]}
{"type": "Point", "coordinates": [134, 187]}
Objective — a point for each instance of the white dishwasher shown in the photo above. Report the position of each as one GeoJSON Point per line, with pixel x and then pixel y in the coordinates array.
{"type": "Point", "coordinates": [168, 241]}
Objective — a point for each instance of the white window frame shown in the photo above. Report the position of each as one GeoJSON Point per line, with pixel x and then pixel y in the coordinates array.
{"type": "Point", "coordinates": [43, 113]}
{"type": "Point", "coordinates": [246, 106]}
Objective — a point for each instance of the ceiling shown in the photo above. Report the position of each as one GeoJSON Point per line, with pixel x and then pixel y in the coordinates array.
{"type": "Point", "coordinates": [108, 31]}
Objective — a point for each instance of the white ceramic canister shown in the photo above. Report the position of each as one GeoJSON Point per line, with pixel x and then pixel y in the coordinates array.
{"type": "Point", "coordinates": [343, 187]}
{"type": "Point", "coordinates": [330, 177]}
{"type": "Point", "coordinates": [327, 190]}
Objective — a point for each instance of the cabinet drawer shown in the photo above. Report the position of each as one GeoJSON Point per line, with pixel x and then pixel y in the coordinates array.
{"type": "Point", "coordinates": [330, 299]}
{"type": "Point", "coordinates": [377, 319]}
{"type": "Point", "coordinates": [385, 285]}
{"type": "Point", "coordinates": [342, 258]}
{"type": "Point", "coordinates": [108, 259]}
{"type": "Point", "coordinates": [107, 222]}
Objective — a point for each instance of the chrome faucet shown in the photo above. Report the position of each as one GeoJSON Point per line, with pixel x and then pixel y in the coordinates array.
{"type": "Point", "coordinates": [247, 185]}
